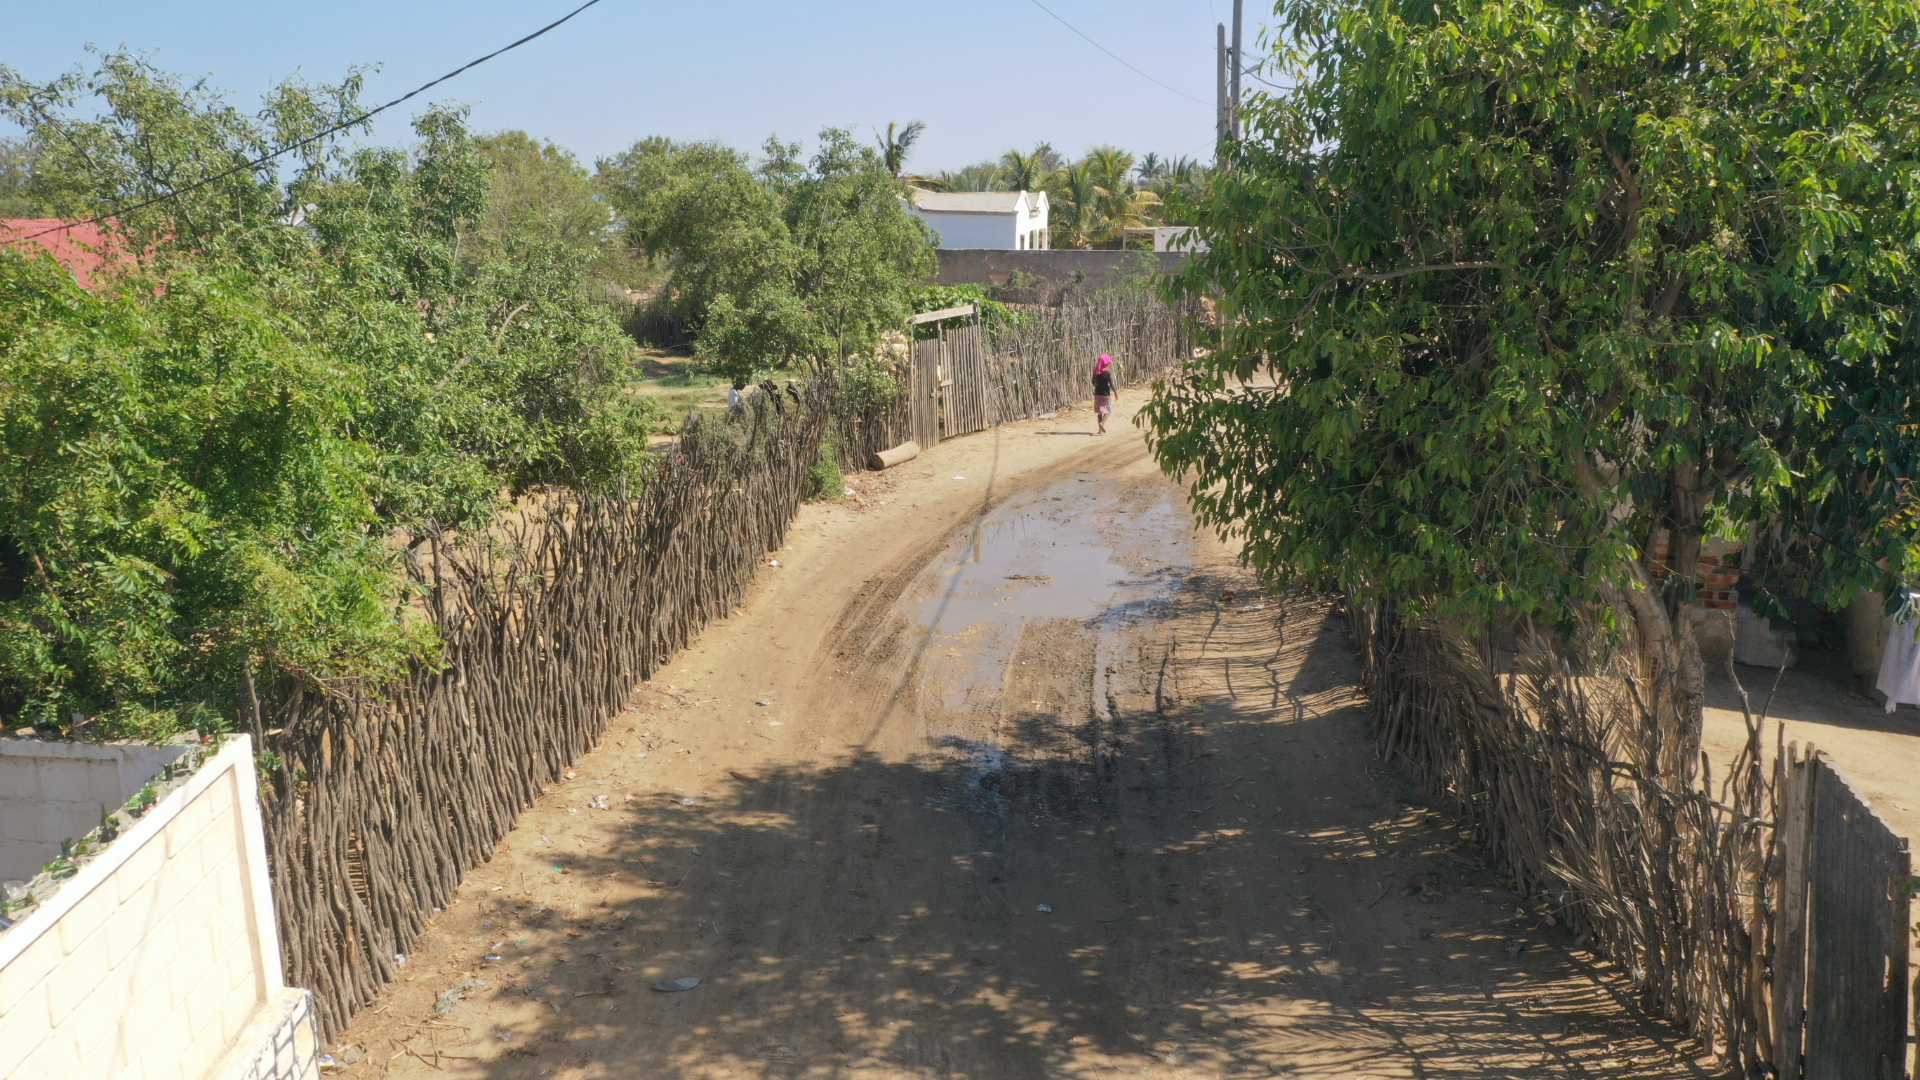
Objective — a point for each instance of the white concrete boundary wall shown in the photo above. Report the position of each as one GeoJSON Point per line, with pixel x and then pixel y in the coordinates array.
{"type": "Point", "coordinates": [155, 958]}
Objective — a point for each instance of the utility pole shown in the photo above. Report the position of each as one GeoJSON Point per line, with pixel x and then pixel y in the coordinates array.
{"type": "Point", "coordinates": [1220, 112]}
{"type": "Point", "coordinates": [1233, 91]}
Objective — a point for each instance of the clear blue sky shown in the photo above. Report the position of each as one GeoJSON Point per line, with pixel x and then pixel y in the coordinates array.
{"type": "Point", "coordinates": [984, 75]}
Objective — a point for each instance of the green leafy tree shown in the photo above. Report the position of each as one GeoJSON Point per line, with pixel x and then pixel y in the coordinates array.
{"type": "Point", "coordinates": [702, 214]}
{"type": "Point", "coordinates": [1179, 184]}
{"type": "Point", "coordinates": [538, 195]}
{"type": "Point", "coordinates": [181, 498]}
{"type": "Point", "coordinates": [205, 460]}
{"type": "Point", "coordinates": [18, 162]}
{"type": "Point", "coordinates": [1118, 203]}
{"type": "Point", "coordinates": [1510, 295]}
{"type": "Point", "coordinates": [795, 261]}
{"type": "Point", "coordinates": [861, 253]}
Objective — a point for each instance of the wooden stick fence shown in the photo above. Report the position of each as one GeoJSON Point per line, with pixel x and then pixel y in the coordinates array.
{"type": "Point", "coordinates": [1558, 775]}
{"type": "Point", "coordinates": [378, 803]}
{"type": "Point", "coordinates": [972, 376]}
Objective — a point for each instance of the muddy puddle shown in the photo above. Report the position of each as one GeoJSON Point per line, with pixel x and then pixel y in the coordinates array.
{"type": "Point", "coordinates": [1020, 622]}
{"type": "Point", "coordinates": [1074, 551]}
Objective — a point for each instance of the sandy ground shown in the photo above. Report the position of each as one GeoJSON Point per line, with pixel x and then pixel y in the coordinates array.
{"type": "Point", "coordinates": [1002, 772]}
{"type": "Point", "coordinates": [1818, 702]}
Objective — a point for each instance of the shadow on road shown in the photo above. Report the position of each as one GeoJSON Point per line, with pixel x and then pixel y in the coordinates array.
{"type": "Point", "coordinates": [1213, 877]}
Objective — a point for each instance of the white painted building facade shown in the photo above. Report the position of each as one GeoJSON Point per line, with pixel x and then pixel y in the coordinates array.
{"type": "Point", "coordinates": [1015, 220]}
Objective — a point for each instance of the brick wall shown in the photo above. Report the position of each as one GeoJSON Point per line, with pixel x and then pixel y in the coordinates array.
{"type": "Point", "coordinates": [1714, 579]}
{"type": "Point", "coordinates": [153, 960]}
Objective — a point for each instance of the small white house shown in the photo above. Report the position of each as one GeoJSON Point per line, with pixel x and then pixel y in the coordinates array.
{"type": "Point", "coordinates": [985, 219]}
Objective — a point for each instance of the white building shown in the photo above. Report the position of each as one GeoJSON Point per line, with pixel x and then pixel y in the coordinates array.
{"type": "Point", "coordinates": [984, 219]}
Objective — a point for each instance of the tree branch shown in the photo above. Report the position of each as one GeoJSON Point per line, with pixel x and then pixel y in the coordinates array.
{"type": "Point", "coordinates": [1356, 275]}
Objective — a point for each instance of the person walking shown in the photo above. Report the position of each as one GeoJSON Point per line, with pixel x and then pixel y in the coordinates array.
{"type": "Point", "coordinates": [1103, 391]}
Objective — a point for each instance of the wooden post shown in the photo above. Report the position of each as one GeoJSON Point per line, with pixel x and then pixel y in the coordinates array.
{"type": "Point", "coordinates": [1790, 933]}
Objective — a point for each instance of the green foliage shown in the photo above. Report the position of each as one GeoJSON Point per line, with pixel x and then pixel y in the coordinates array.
{"type": "Point", "coordinates": [181, 499]}
{"type": "Point", "coordinates": [753, 337]}
{"type": "Point", "coordinates": [824, 480]}
{"type": "Point", "coordinates": [1508, 290]}
{"type": "Point", "coordinates": [539, 195]}
{"type": "Point", "coordinates": [490, 367]}
{"type": "Point", "coordinates": [538, 191]}
{"type": "Point", "coordinates": [936, 297]}
{"type": "Point", "coordinates": [897, 144]}
{"type": "Point", "coordinates": [794, 262]}
{"type": "Point", "coordinates": [19, 159]}
{"type": "Point", "coordinates": [206, 461]}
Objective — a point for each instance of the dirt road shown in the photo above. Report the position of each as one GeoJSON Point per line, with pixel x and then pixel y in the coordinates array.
{"type": "Point", "coordinates": [1003, 772]}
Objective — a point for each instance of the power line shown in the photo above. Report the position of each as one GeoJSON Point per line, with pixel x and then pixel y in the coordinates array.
{"type": "Point", "coordinates": [290, 147]}
{"type": "Point", "coordinates": [1110, 52]}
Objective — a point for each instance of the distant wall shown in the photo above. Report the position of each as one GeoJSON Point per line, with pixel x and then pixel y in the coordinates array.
{"type": "Point", "coordinates": [52, 790]}
{"type": "Point", "coordinates": [160, 958]}
{"type": "Point", "coordinates": [990, 266]}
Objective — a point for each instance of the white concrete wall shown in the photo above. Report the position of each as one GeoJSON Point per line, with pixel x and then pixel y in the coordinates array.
{"type": "Point", "coordinates": [970, 230]}
{"type": "Point", "coordinates": [154, 959]}
{"type": "Point", "coordinates": [52, 790]}
{"type": "Point", "coordinates": [1033, 222]}
{"type": "Point", "coordinates": [1011, 229]}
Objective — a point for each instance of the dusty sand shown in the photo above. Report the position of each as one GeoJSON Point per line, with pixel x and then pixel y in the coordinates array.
{"type": "Point", "coordinates": [1818, 703]}
{"type": "Point", "coordinates": [1003, 772]}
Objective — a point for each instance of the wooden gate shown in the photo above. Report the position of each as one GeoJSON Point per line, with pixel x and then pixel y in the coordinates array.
{"type": "Point", "coordinates": [950, 376]}
{"type": "Point", "coordinates": [925, 410]}
{"type": "Point", "coordinates": [1840, 965]}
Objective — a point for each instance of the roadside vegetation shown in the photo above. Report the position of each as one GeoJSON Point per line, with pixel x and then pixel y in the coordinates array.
{"type": "Point", "coordinates": [207, 462]}
{"type": "Point", "coordinates": [781, 263]}
{"type": "Point", "coordinates": [1518, 297]}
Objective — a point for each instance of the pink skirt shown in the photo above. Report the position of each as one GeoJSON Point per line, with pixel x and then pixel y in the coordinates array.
{"type": "Point", "coordinates": [1102, 405]}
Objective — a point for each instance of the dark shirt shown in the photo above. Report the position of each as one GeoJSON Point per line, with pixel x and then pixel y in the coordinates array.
{"type": "Point", "coordinates": [1103, 384]}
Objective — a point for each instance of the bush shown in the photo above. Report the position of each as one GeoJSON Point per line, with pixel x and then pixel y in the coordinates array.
{"type": "Point", "coordinates": [936, 297]}
{"type": "Point", "coordinates": [824, 480]}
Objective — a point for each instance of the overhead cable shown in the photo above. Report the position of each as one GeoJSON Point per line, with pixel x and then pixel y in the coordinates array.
{"type": "Point", "coordinates": [309, 140]}
{"type": "Point", "coordinates": [1116, 56]}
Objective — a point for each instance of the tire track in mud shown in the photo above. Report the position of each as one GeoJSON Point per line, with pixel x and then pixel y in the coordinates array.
{"type": "Point", "coordinates": [870, 645]}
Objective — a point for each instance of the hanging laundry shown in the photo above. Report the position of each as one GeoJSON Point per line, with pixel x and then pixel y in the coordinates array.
{"type": "Point", "coordinates": [1900, 662]}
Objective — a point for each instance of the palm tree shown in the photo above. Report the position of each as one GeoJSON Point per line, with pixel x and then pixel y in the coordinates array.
{"type": "Point", "coordinates": [1023, 172]}
{"type": "Point", "coordinates": [1073, 207]}
{"type": "Point", "coordinates": [895, 146]}
{"type": "Point", "coordinates": [1151, 168]}
{"type": "Point", "coordinates": [1119, 204]}
{"type": "Point", "coordinates": [982, 177]}
{"type": "Point", "coordinates": [1183, 177]}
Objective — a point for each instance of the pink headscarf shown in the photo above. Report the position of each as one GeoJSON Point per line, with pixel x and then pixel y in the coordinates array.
{"type": "Point", "coordinates": [1105, 363]}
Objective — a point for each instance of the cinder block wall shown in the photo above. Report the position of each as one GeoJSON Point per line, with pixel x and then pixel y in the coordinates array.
{"type": "Point", "coordinates": [154, 959]}
{"type": "Point", "coordinates": [52, 790]}
{"type": "Point", "coordinates": [990, 266]}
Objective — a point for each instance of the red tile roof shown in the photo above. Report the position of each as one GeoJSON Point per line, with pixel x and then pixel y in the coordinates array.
{"type": "Point", "coordinates": [82, 248]}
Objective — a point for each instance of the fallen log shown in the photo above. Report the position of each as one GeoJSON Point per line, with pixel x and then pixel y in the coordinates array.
{"type": "Point", "coordinates": [886, 459]}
